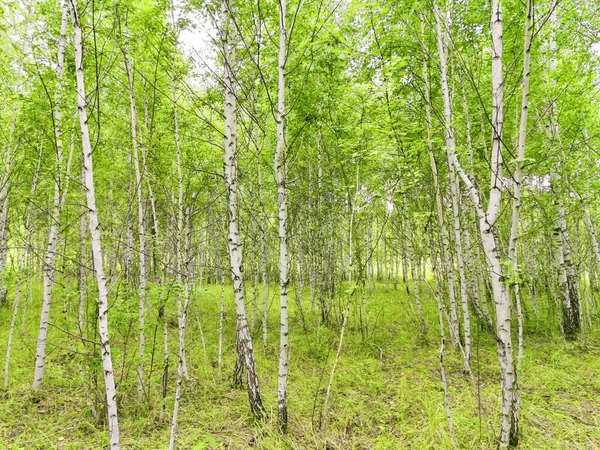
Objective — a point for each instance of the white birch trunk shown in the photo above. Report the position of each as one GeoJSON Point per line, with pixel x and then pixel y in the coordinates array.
{"type": "Point", "coordinates": [263, 255]}
{"type": "Point", "coordinates": [50, 259]}
{"type": "Point", "coordinates": [94, 226]}
{"type": "Point", "coordinates": [450, 148]}
{"type": "Point", "coordinates": [509, 429]}
{"type": "Point", "coordinates": [179, 231]}
{"type": "Point", "coordinates": [568, 279]}
{"type": "Point", "coordinates": [244, 339]}
{"type": "Point", "coordinates": [518, 177]}
{"type": "Point", "coordinates": [4, 189]}
{"type": "Point", "coordinates": [140, 216]}
{"type": "Point", "coordinates": [20, 274]}
{"type": "Point", "coordinates": [447, 263]}
{"type": "Point", "coordinates": [182, 324]}
{"type": "Point", "coordinates": [82, 274]}
{"type": "Point", "coordinates": [280, 171]}
{"type": "Point", "coordinates": [221, 318]}
{"type": "Point", "coordinates": [128, 257]}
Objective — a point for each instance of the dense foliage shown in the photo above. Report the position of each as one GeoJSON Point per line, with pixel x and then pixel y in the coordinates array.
{"type": "Point", "coordinates": [420, 210]}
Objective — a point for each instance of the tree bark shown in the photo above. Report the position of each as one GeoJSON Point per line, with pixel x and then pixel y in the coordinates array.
{"type": "Point", "coordinates": [139, 188]}
{"type": "Point", "coordinates": [20, 272]}
{"type": "Point", "coordinates": [50, 260]}
{"type": "Point", "coordinates": [567, 274]}
{"type": "Point", "coordinates": [244, 339]}
{"type": "Point", "coordinates": [94, 227]}
{"type": "Point", "coordinates": [450, 148]}
{"type": "Point", "coordinates": [509, 429]}
{"type": "Point", "coordinates": [518, 177]}
{"type": "Point", "coordinates": [182, 324]}
{"type": "Point", "coordinates": [5, 187]}
{"type": "Point", "coordinates": [282, 216]}
{"type": "Point", "coordinates": [448, 265]}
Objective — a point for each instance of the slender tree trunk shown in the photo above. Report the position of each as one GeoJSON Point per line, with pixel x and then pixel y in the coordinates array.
{"type": "Point", "coordinates": [182, 324]}
{"type": "Point", "coordinates": [450, 148]}
{"type": "Point", "coordinates": [139, 188]}
{"type": "Point", "coordinates": [94, 226]}
{"type": "Point", "coordinates": [128, 256]}
{"type": "Point", "coordinates": [263, 253]}
{"type": "Point", "coordinates": [50, 260]}
{"type": "Point", "coordinates": [533, 283]}
{"type": "Point", "coordinates": [112, 249]}
{"type": "Point", "coordinates": [83, 260]}
{"type": "Point", "coordinates": [568, 279]}
{"type": "Point", "coordinates": [82, 294]}
{"type": "Point", "coordinates": [27, 241]}
{"type": "Point", "coordinates": [351, 291]}
{"type": "Point", "coordinates": [244, 339]}
{"type": "Point", "coordinates": [447, 263]}
{"type": "Point", "coordinates": [5, 187]}
{"type": "Point", "coordinates": [165, 375]}
{"type": "Point", "coordinates": [282, 216]}
{"type": "Point", "coordinates": [567, 275]}
{"type": "Point", "coordinates": [404, 253]}
{"type": "Point", "coordinates": [179, 226]}
{"type": "Point", "coordinates": [509, 429]}
{"type": "Point", "coordinates": [411, 254]}
{"type": "Point", "coordinates": [518, 176]}
{"type": "Point", "coordinates": [82, 274]}
{"type": "Point", "coordinates": [155, 243]}
{"type": "Point", "coordinates": [221, 318]}
{"type": "Point", "coordinates": [255, 281]}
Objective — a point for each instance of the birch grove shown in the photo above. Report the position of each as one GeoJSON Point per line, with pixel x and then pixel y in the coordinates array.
{"type": "Point", "coordinates": [299, 224]}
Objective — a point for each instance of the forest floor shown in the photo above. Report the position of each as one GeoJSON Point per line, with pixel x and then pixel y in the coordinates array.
{"type": "Point", "coordinates": [387, 392]}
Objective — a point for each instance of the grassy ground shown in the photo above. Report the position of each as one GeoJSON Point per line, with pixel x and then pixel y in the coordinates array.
{"type": "Point", "coordinates": [387, 392]}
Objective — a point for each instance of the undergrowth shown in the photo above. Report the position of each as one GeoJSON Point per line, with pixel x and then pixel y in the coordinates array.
{"type": "Point", "coordinates": [387, 392]}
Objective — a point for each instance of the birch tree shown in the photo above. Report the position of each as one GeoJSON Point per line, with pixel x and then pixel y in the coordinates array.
{"type": "Point", "coordinates": [568, 281]}
{"type": "Point", "coordinates": [21, 269]}
{"type": "Point", "coordinates": [139, 188]}
{"type": "Point", "coordinates": [509, 427]}
{"type": "Point", "coordinates": [450, 149]}
{"type": "Point", "coordinates": [282, 216]}
{"type": "Point", "coordinates": [518, 176]}
{"type": "Point", "coordinates": [9, 153]}
{"type": "Point", "coordinates": [230, 169]}
{"type": "Point", "coordinates": [50, 259]}
{"type": "Point", "coordinates": [448, 265]}
{"type": "Point", "coordinates": [96, 240]}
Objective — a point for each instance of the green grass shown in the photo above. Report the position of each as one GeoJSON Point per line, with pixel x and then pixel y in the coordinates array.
{"type": "Point", "coordinates": [387, 392]}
